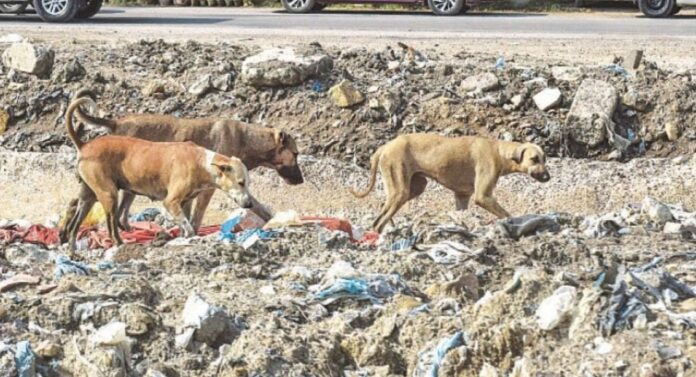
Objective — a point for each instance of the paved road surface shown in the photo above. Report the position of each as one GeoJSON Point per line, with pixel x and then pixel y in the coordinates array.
{"type": "Point", "coordinates": [189, 22]}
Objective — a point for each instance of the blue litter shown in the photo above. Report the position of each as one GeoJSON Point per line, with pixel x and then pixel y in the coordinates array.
{"type": "Point", "coordinates": [357, 288]}
{"type": "Point", "coordinates": [318, 87]}
{"type": "Point", "coordinates": [403, 244]}
{"type": "Point", "coordinates": [105, 265]}
{"type": "Point", "coordinates": [445, 346]}
{"type": "Point", "coordinates": [245, 238]}
{"type": "Point", "coordinates": [25, 360]}
{"type": "Point", "coordinates": [65, 266]}
{"type": "Point", "coordinates": [617, 69]}
{"type": "Point", "coordinates": [227, 229]}
{"type": "Point", "coordinates": [500, 63]}
{"type": "Point", "coordinates": [148, 214]}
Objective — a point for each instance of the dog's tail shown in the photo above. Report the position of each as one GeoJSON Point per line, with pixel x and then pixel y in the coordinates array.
{"type": "Point", "coordinates": [374, 161]}
{"type": "Point", "coordinates": [91, 119]}
{"type": "Point", "coordinates": [75, 106]}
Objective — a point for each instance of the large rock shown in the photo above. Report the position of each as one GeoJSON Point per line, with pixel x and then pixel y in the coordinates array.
{"type": "Point", "coordinates": [26, 57]}
{"type": "Point", "coordinates": [483, 82]}
{"type": "Point", "coordinates": [285, 66]}
{"type": "Point", "coordinates": [591, 112]}
{"type": "Point", "coordinates": [344, 94]}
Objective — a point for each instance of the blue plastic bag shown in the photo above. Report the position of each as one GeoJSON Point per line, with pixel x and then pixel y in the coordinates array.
{"type": "Point", "coordinates": [25, 360]}
{"type": "Point", "coordinates": [65, 266]}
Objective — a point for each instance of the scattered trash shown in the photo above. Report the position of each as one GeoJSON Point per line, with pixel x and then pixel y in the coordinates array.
{"type": "Point", "coordinates": [18, 280]}
{"type": "Point", "coordinates": [616, 69]}
{"type": "Point", "coordinates": [516, 227]}
{"type": "Point", "coordinates": [447, 252]}
{"type": "Point", "coordinates": [205, 323]}
{"type": "Point", "coordinates": [25, 360]}
{"type": "Point", "coordinates": [148, 214]}
{"type": "Point", "coordinates": [429, 361]}
{"type": "Point", "coordinates": [65, 266]}
{"type": "Point", "coordinates": [500, 63]}
{"type": "Point", "coordinates": [556, 308]}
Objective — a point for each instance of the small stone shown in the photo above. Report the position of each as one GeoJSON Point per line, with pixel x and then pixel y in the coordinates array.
{"type": "Point", "coordinates": [393, 65]}
{"type": "Point", "coordinates": [26, 57]}
{"type": "Point", "coordinates": [4, 121]}
{"type": "Point", "coordinates": [672, 228]}
{"type": "Point", "coordinates": [344, 94]}
{"type": "Point", "coordinates": [48, 349]}
{"type": "Point", "coordinates": [446, 70]}
{"type": "Point", "coordinates": [488, 371]}
{"type": "Point", "coordinates": [484, 82]}
{"type": "Point", "coordinates": [516, 101]}
{"type": "Point", "coordinates": [201, 87]}
{"type": "Point", "coordinates": [71, 71]}
{"type": "Point", "coordinates": [154, 88]}
{"type": "Point", "coordinates": [632, 59]}
{"type": "Point", "coordinates": [564, 73]}
{"type": "Point", "coordinates": [547, 98]}
{"type": "Point", "coordinates": [374, 103]}
{"type": "Point", "coordinates": [667, 353]}
{"type": "Point", "coordinates": [632, 99]}
{"type": "Point", "coordinates": [672, 131]}
{"type": "Point", "coordinates": [224, 82]}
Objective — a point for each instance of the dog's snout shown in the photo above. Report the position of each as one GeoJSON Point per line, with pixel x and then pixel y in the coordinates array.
{"type": "Point", "coordinates": [544, 177]}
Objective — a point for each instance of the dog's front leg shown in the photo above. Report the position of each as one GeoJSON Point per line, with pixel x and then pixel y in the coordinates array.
{"type": "Point", "coordinates": [176, 213]}
{"type": "Point", "coordinates": [462, 201]}
{"type": "Point", "coordinates": [486, 179]}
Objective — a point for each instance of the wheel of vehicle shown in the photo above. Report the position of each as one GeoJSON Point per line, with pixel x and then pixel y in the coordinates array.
{"type": "Point", "coordinates": [299, 6]}
{"type": "Point", "coordinates": [318, 6]}
{"type": "Point", "coordinates": [13, 8]}
{"type": "Point", "coordinates": [656, 8]}
{"type": "Point", "coordinates": [56, 10]}
{"type": "Point", "coordinates": [446, 7]}
{"type": "Point", "coordinates": [90, 8]}
{"type": "Point", "coordinates": [675, 10]}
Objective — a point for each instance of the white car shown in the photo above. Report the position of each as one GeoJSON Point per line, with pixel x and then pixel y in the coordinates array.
{"type": "Point", "coordinates": [663, 8]}
{"type": "Point", "coordinates": [54, 10]}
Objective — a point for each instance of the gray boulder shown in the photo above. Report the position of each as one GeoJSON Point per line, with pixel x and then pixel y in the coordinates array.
{"type": "Point", "coordinates": [591, 112]}
{"type": "Point", "coordinates": [285, 66]}
{"type": "Point", "coordinates": [26, 57]}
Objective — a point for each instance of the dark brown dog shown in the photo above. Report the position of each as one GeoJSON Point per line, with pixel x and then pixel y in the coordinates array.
{"type": "Point", "coordinates": [254, 145]}
{"type": "Point", "coordinates": [175, 172]}
{"type": "Point", "coordinates": [469, 166]}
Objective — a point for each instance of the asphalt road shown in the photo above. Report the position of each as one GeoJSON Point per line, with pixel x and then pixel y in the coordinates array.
{"type": "Point", "coordinates": [188, 22]}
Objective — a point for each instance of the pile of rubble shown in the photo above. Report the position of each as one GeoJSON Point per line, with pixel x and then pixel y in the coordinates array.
{"type": "Point", "coordinates": [344, 103]}
{"type": "Point", "coordinates": [537, 294]}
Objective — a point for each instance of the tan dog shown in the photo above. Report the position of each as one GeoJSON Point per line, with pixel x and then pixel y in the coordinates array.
{"type": "Point", "coordinates": [254, 145]}
{"type": "Point", "coordinates": [173, 172]}
{"type": "Point", "coordinates": [469, 166]}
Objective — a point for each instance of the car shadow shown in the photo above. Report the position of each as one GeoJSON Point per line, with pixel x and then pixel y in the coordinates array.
{"type": "Point", "coordinates": [423, 12]}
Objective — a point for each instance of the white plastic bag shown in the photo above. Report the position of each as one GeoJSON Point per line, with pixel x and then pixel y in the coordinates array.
{"type": "Point", "coordinates": [555, 308]}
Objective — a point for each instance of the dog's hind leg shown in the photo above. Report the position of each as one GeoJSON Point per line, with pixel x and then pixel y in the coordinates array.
{"type": "Point", "coordinates": [127, 199]}
{"type": "Point", "coordinates": [84, 205]}
{"type": "Point", "coordinates": [399, 194]}
{"type": "Point", "coordinates": [108, 197]}
{"type": "Point", "coordinates": [64, 232]}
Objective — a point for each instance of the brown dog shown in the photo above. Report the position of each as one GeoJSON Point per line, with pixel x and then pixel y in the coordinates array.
{"type": "Point", "coordinates": [173, 172]}
{"type": "Point", "coordinates": [469, 166]}
{"type": "Point", "coordinates": [254, 145]}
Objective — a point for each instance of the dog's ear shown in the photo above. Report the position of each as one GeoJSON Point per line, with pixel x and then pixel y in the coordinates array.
{"type": "Point", "coordinates": [518, 154]}
{"type": "Point", "coordinates": [280, 138]}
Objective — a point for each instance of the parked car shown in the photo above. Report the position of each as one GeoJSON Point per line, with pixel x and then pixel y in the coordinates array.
{"type": "Point", "coordinates": [54, 10]}
{"type": "Point", "coordinates": [439, 7]}
{"type": "Point", "coordinates": [663, 8]}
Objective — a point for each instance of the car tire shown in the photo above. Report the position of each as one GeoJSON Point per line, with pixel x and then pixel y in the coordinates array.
{"type": "Point", "coordinates": [56, 10]}
{"type": "Point", "coordinates": [657, 8]}
{"type": "Point", "coordinates": [675, 10]}
{"type": "Point", "coordinates": [318, 7]}
{"type": "Point", "coordinates": [446, 7]}
{"type": "Point", "coordinates": [13, 8]}
{"type": "Point", "coordinates": [91, 8]}
{"type": "Point", "coordinates": [299, 6]}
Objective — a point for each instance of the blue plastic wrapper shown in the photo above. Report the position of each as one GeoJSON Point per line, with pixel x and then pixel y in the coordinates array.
{"type": "Point", "coordinates": [65, 266]}
{"type": "Point", "coordinates": [25, 360]}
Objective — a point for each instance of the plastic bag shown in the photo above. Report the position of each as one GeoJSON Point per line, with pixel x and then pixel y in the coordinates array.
{"type": "Point", "coordinates": [555, 308]}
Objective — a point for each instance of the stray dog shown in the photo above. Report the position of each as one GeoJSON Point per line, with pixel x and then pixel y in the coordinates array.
{"type": "Point", "coordinates": [175, 172]}
{"type": "Point", "coordinates": [469, 166]}
{"type": "Point", "coordinates": [254, 145]}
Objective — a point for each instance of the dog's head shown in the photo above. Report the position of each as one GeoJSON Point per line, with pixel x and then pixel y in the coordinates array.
{"type": "Point", "coordinates": [284, 159]}
{"type": "Point", "coordinates": [232, 177]}
{"type": "Point", "coordinates": [532, 160]}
